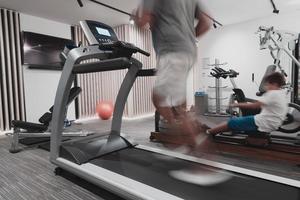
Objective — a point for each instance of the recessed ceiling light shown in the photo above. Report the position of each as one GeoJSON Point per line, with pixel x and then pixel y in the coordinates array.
{"type": "Point", "coordinates": [131, 21]}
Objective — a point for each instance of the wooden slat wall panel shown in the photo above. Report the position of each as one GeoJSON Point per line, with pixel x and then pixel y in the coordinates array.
{"type": "Point", "coordinates": [105, 85]}
{"type": "Point", "coordinates": [12, 102]}
{"type": "Point", "coordinates": [142, 90]}
{"type": "Point", "coordinates": [3, 100]}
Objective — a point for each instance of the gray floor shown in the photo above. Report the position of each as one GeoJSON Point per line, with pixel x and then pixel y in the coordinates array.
{"type": "Point", "coordinates": [28, 175]}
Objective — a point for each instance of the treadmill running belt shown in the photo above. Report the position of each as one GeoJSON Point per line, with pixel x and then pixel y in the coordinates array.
{"type": "Point", "coordinates": [152, 169]}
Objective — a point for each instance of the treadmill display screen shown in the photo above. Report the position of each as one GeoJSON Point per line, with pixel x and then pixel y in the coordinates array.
{"type": "Point", "coordinates": [103, 31]}
{"type": "Point", "coordinates": [100, 32]}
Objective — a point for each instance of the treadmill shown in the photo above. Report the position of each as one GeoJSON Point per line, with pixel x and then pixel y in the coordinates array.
{"type": "Point", "coordinates": [133, 171]}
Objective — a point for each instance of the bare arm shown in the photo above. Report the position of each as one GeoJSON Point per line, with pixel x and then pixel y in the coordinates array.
{"type": "Point", "coordinates": [254, 105]}
{"type": "Point", "coordinates": [146, 18]}
{"type": "Point", "coordinates": [203, 25]}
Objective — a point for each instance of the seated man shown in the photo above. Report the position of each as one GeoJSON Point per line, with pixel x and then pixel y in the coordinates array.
{"type": "Point", "coordinates": [274, 107]}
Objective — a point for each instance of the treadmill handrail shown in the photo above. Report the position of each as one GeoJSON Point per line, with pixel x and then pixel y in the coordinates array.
{"type": "Point", "coordinates": [147, 72]}
{"type": "Point", "coordinates": [101, 66]}
{"type": "Point", "coordinates": [75, 57]}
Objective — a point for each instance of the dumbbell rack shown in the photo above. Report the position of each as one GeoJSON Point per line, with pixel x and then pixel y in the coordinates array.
{"type": "Point", "coordinates": [218, 97]}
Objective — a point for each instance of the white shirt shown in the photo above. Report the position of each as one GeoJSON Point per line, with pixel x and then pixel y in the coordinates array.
{"type": "Point", "coordinates": [274, 111]}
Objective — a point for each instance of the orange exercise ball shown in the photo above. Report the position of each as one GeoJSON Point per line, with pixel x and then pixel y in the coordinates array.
{"type": "Point", "coordinates": [105, 109]}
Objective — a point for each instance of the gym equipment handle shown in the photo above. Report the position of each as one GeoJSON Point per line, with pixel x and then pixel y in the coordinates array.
{"type": "Point", "coordinates": [104, 65]}
{"type": "Point", "coordinates": [125, 45]}
{"type": "Point", "coordinates": [146, 72]}
{"type": "Point", "coordinates": [143, 52]}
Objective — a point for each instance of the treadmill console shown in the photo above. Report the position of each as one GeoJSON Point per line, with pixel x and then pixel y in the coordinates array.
{"type": "Point", "coordinates": [97, 32]}
{"type": "Point", "coordinates": [103, 35]}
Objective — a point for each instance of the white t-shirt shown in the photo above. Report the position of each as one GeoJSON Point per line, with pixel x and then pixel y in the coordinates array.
{"type": "Point", "coordinates": [274, 110]}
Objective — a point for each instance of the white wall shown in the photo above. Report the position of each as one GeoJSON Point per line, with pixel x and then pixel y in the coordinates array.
{"type": "Point", "coordinates": [41, 85]}
{"type": "Point", "coordinates": [239, 46]}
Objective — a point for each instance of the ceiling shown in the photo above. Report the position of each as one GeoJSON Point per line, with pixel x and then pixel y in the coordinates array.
{"type": "Point", "coordinates": [236, 11]}
{"type": "Point", "coordinates": [67, 11]}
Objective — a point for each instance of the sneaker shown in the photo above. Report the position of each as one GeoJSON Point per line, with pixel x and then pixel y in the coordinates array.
{"type": "Point", "coordinates": [201, 178]}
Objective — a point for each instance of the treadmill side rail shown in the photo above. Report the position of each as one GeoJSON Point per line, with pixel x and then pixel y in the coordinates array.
{"type": "Point", "coordinates": [118, 184]}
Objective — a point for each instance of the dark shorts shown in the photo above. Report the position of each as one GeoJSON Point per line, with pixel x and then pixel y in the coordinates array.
{"type": "Point", "coordinates": [242, 124]}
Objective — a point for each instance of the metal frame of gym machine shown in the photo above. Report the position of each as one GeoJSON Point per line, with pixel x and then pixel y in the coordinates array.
{"type": "Point", "coordinates": [218, 94]}
{"type": "Point", "coordinates": [113, 142]}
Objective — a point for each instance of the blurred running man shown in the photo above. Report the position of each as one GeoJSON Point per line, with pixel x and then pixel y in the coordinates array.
{"type": "Point", "coordinates": [172, 23]}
